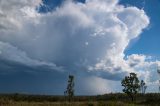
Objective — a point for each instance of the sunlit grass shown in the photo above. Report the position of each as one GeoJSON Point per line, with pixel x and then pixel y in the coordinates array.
{"type": "Point", "coordinates": [110, 103]}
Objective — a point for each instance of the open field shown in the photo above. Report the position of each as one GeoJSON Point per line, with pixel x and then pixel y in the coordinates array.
{"type": "Point", "coordinates": [110, 103]}
{"type": "Point", "coordinates": [100, 100]}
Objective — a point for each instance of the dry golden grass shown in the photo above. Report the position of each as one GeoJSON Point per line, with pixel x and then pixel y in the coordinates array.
{"type": "Point", "coordinates": [109, 103]}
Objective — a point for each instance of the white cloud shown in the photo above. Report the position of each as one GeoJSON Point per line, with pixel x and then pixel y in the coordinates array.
{"type": "Point", "coordinates": [90, 38]}
{"type": "Point", "coordinates": [12, 12]}
{"type": "Point", "coordinates": [145, 66]}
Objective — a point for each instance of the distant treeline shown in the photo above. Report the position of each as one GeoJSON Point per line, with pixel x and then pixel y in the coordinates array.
{"type": "Point", "coordinates": [149, 97]}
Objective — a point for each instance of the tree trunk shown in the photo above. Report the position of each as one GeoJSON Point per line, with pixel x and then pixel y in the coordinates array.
{"type": "Point", "coordinates": [131, 96]}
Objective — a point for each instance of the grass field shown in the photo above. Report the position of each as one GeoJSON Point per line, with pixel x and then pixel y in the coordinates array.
{"type": "Point", "coordinates": [11, 103]}
{"type": "Point", "coordinates": [100, 100]}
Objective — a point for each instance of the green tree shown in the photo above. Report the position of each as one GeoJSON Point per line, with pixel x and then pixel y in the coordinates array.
{"type": "Point", "coordinates": [131, 85]}
{"type": "Point", "coordinates": [70, 88]}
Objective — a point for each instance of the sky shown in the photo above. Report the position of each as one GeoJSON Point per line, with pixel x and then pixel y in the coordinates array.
{"type": "Point", "coordinates": [97, 41]}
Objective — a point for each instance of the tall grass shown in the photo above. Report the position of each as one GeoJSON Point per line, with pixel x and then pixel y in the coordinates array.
{"type": "Point", "coordinates": [152, 99]}
{"type": "Point", "coordinates": [111, 103]}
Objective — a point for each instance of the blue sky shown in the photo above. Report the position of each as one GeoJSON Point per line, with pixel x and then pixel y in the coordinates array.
{"type": "Point", "coordinates": [148, 42]}
{"type": "Point", "coordinates": [99, 41]}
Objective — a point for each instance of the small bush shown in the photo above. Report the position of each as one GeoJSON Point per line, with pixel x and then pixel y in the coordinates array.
{"type": "Point", "coordinates": [90, 104]}
{"type": "Point", "coordinates": [101, 103]}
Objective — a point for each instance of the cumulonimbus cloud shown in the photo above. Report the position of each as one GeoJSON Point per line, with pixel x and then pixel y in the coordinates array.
{"type": "Point", "coordinates": [81, 38]}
